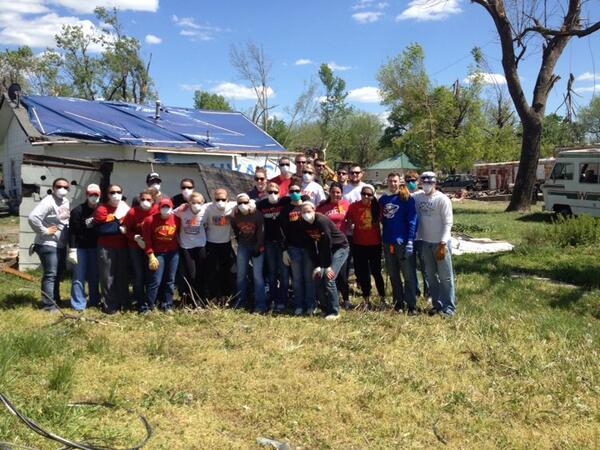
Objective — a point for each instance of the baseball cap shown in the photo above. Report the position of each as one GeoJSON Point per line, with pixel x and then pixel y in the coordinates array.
{"type": "Point", "coordinates": [165, 201]}
{"type": "Point", "coordinates": [428, 177]}
{"type": "Point", "coordinates": [153, 176]}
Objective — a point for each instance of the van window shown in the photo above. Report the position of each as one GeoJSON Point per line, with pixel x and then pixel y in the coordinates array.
{"type": "Point", "coordinates": [562, 171]}
{"type": "Point", "coordinates": [588, 173]}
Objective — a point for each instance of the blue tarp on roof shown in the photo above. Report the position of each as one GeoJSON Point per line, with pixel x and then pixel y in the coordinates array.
{"type": "Point", "coordinates": [130, 124]}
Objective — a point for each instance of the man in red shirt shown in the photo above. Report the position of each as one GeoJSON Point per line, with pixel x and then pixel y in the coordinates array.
{"type": "Point", "coordinates": [284, 179]}
{"type": "Point", "coordinates": [160, 237]}
{"type": "Point", "coordinates": [366, 243]}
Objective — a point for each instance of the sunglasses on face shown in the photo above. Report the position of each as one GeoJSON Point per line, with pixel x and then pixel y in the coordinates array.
{"type": "Point", "coordinates": [259, 178]}
{"type": "Point", "coordinates": [221, 200]}
{"type": "Point", "coordinates": [187, 187]}
{"type": "Point", "coordinates": [356, 173]}
{"type": "Point", "coordinates": [294, 191]}
{"type": "Point", "coordinates": [242, 203]}
{"type": "Point", "coordinates": [61, 186]}
{"type": "Point", "coordinates": [308, 172]}
{"type": "Point", "coordinates": [284, 165]}
{"type": "Point", "coordinates": [300, 162]}
{"type": "Point", "coordinates": [410, 180]}
{"type": "Point", "coordinates": [272, 192]}
{"type": "Point", "coordinates": [366, 194]}
{"type": "Point", "coordinates": [320, 166]}
{"type": "Point", "coordinates": [115, 192]}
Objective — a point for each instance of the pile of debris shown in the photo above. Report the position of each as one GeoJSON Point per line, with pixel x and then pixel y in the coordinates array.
{"type": "Point", "coordinates": [489, 195]}
{"type": "Point", "coordinates": [9, 254]}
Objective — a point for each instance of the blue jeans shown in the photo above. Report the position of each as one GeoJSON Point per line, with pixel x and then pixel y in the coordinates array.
{"type": "Point", "coordinates": [244, 255]}
{"type": "Point", "coordinates": [53, 264]}
{"type": "Point", "coordinates": [326, 289]}
{"type": "Point", "coordinates": [86, 269]}
{"type": "Point", "coordinates": [302, 281]}
{"type": "Point", "coordinates": [417, 256]}
{"type": "Point", "coordinates": [163, 277]}
{"type": "Point", "coordinates": [400, 267]}
{"type": "Point", "coordinates": [441, 278]}
{"type": "Point", "coordinates": [139, 265]}
{"type": "Point", "coordinates": [279, 275]}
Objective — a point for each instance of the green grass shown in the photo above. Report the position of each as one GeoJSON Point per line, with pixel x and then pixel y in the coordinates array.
{"type": "Point", "coordinates": [516, 368]}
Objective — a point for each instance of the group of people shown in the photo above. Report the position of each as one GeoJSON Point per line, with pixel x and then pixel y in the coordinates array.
{"type": "Point", "coordinates": [301, 226]}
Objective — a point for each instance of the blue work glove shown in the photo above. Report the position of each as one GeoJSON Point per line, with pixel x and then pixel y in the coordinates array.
{"type": "Point", "coordinates": [400, 241]}
{"type": "Point", "coordinates": [409, 248]}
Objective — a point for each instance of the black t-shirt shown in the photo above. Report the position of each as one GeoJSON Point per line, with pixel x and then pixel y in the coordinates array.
{"type": "Point", "coordinates": [325, 239]}
{"type": "Point", "coordinates": [81, 236]}
{"type": "Point", "coordinates": [290, 220]}
{"type": "Point", "coordinates": [271, 213]}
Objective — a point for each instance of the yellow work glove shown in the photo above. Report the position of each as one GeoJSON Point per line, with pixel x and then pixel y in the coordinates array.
{"type": "Point", "coordinates": [153, 262]}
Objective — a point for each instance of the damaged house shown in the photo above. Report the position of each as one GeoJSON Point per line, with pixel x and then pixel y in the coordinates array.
{"type": "Point", "coordinates": [43, 137]}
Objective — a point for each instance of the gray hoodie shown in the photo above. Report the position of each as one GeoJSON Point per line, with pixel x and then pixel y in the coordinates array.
{"type": "Point", "coordinates": [51, 211]}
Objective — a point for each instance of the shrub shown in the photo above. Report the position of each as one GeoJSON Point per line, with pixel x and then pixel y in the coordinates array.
{"type": "Point", "coordinates": [565, 231]}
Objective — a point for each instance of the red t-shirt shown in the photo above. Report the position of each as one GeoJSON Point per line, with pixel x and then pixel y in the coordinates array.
{"type": "Point", "coordinates": [160, 235]}
{"type": "Point", "coordinates": [103, 214]}
{"type": "Point", "coordinates": [335, 212]}
{"type": "Point", "coordinates": [284, 184]}
{"type": "Point", "coordinates": [133, 222]}
{"type": "Point", "coordinates": [366, 227]}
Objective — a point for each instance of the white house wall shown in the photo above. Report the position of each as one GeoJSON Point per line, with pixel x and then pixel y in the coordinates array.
{"type": "Point", "coordinates": [15, 144]}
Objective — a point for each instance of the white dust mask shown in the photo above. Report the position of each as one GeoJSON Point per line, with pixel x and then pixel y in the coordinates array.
{"type": "Point", "coordinates": [196, 207]}
{"type": "Point", "coordinates": [273, 198]}
{"type": "Point", "coordinates": [220, 204]}
{"type": "Point", "coordinates": [146, 204]}
{"type": "Point", "coordinates": [186, 192]}
{"type": "Point", "coordinates": [309, 216]}
{"type": "Point", "coordinates": [61, 192]}
{"type": "Point", "coordinates": [165, 211]}
{"type": "Point", "coordinates": [427, 188]}
{"type": "Point", "coordinates": [307, 177]}
{"type": "Point", "coordinates": [116, 197]}
{"type": "Point", "coordinates": [244, 208]}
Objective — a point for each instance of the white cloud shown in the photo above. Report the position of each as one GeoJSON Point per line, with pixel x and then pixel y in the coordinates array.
{"type": "Point", "coordinates": [38, 31]}
{"type": "Point", "coordinates": [367, 16]}
{"type": "Point", "coordinates": [23, 7]}
{"type": "Point", "coordinates": [322, 99]}
{"type": "Point", "coordinates": [588, 76]}
{"type": "Point", "coordinates": [87, 6]}
{"type": "Point", "coordinates": [195, 31]}
{"type": "Point", "coordinates": [594, 88]}
{"type": "Point", "coordinates": [422, 10]}
{"type": "Point", "coordinates": [367, 94]}
{"type": "Point", "coordinates": [486, 78]}
{"type": "Point", "coordinates": [152, 39]}
{"type": "Point", "coordinates": [238, 92]}
{"type": "Point", "coordinates": [337, 67]}
{"type": "Point", "coordinates": [369, 4]}
{"type": "Point", "coordinates": [302, 62]}
{"type": "Point", "coordinates": [384, 118]}
{"type": "Point", "coordinates": [190, 87]}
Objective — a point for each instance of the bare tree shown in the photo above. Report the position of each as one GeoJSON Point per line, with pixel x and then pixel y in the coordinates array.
{"type": "Point", "coordinates": [528, 23]}
{"type": "Point", "coordinates": [254, 67]}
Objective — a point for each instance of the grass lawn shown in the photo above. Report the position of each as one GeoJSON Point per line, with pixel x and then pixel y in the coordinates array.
{"type": "Point", "coordinates": [518, 367]}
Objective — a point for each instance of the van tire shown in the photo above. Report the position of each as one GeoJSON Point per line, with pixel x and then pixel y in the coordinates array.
{"type": "Point", "coordinates": [562, 210]}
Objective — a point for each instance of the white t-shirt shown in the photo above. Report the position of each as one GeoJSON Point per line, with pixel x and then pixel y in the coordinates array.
{"type": "Point", "coordinates": [314, 191]}
{"type": "Point", "coordinates": [434, 213]}
{"type": "Point", "coordinates": [192, 233]}
{"type": "Point", "coordinates": [218, 222]}
{"type": "Point", "coordinates": [351, 192]}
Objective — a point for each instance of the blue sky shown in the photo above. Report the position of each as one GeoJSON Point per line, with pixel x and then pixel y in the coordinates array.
{"type": "Point", "coordinates": [190, 42]}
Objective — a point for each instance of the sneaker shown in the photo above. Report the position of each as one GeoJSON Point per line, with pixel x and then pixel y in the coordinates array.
{"type": "Point", "coordinates": [298, 312]}
{"type": "Point", "coordinates": [51, 309]}
{"type": "Point", "coordinates": [145, 312]}
{"type": "Point", "coordinates": [280, 309]}
{"type": "Point", "coordinates": [348, 305]}
{"type": "Point", "coordinates": [399, 307]}
{"type": "Point", "coordinates": [446, 315]}
{"type": "Point", "coordinates": [169, 311]}
{"type": "Point", "coordinates": [310, 312]}
{"type": "Point", "coordinates": [413, 312]}
{"type": "Point", "coordinates": [332, 317]}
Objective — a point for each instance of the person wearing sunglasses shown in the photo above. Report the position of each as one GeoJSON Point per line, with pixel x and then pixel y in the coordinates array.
{"type": "Point", "coordinates": [366, 244]}
{"type": "Point", "coordinates": [284, 178]}
{"type": "Point", "coordinates": [83, 240]}
{"type": "Point", "coordinates": [310, 187]}
{"type": "Point", "coordinates": [342, 175]}
{"type": "Point", "coordinates": [160, 232]}
{"type": "Point", "coordinates": [399, 219]}
{"type": "Point", "coordinates": [145, 207]}
{"type": "Point", "coordinates": [249, 229]}
{"type": "Point", "coordinates": [50, 222]}
{"type": "Point", "coordinates": [335, 208]}
{"type": "Point", "coordinates": [322, 175]}
{"type": "Point", "coordinates": [187, 187]}
{"type": "Point", "coordinates": [300, 161]}
{"type": "Point", "coordinates": [328, 251]}
{"type": "Point", "coordinates": [219, 252]}
{"type": "Point", "coordinates": [259, 191]}
{"type": "Point", "coordinates": [296, 253]}
{"type": "Point", "coordinates": [112, 250]}
{"type": "Point", "coordinates": [434, 211]}
{"type": "Point", "coordinates": [278, 274]}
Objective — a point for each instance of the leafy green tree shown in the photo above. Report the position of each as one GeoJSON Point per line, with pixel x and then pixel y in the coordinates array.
{"type": "Point", "coordinates": [207, 100]}
{"type": "Point", "coordinates": [589, 119]}
{"type": "Point", "coordinates": [364, 132]}
{"type": "Point", "coordinates": [333, 111]}
{"type": "Point", "coordinates": [558, 132]}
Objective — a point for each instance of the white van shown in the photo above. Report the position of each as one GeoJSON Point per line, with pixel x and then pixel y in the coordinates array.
{"type": "Point", "coordinates": [573, 186]}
